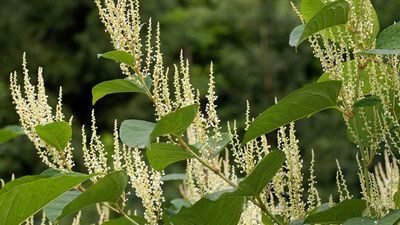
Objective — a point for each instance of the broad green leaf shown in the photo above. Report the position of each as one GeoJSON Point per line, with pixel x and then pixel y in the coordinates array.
{"type": "Point", "coordinates": [174, 176]}
{"type": "Point", "coordinates": [332, 14]}
{"type": "Point", "coordinates": [175, 123]}
{"type": "Point", "coordinates": [19, 181]}
{"type": "Point", "coordinates": [388, 42]}
{"type": "Point", "coordinates": [113, 87]}
{"type": "Point", "coordinates": [339, 213]}
{"type": "Point", "coordinates": [390, 219]}
{"type": "Point", "coordinates": [215, 145]}
{"type": "Point", "coordinates": [107, 189]}
{"type": "Point", "coordinates": [361, 221]}
{"type": "Point", "coordinates": [261, 175]}
{"type": "Point", "coordinates": [9, 132]}
{"type": "Point", "coordinates": [221, 211]}
{"type": "Point", "coordinates": [160, 155]}
{"type": "Point", "coordinates": [54, 209]}
{"type": "Point", "coordinates": [56, 134]}
{"type": "Point", "coordinates": [23, 201]}
{"type": "Point", "coordinates": [309, 8]}
{"type": "Point", "coordinates": [297, 105]}
{"type": "Point", "coordinates": [266, 220]}
{"type": "Point", "coordinates": [124, 221]}
{"type": "Point", "coordinates": [51, 172]}
{"type": "Point", "coordinates": [136, 133]}
{"type": "Point", "coordinates": [177, 205]}
{"type": "Point", "coordinates": [119, 56]}
{"type": "Point", "coordinates": [368, 101]}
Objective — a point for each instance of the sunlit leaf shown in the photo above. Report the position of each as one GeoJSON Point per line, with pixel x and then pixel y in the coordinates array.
{"type": "Point", "coordinates": [107, 189]}
{"type": "Point", "coordinates": [160, 155]}
{"type": "Point", "coordinates": [175, 123]}
{"type": "Point", "coordinates": [119, 56]}
{"type": "Point", "coordinates": [112, 87]}
{"type": "Point", "coordinates": [297, 105]}
{"type": "Point", "coordinates": [22, 201]}
{"type": "Point", "coordinates": [56, 134]}
{"type": "Point", "coordinates": [339, 213]}
{"type": "Point", "coordinates": [330, 15]}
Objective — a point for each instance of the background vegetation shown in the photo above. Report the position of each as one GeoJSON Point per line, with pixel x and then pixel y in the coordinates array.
{"type": "Point", "coordinates": [246, 40]}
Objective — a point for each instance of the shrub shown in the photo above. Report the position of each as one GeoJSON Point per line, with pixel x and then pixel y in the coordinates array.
{"type": "Point", "coordinates": [228, 179]}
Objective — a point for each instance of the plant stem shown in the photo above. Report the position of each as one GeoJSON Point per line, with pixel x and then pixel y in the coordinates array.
{"type": "Point", "coordinates": [121, 211]}
{"type": "Point", "coordinates": [257, 202]}
{"type": "Point", "coordinates": [264, 209]}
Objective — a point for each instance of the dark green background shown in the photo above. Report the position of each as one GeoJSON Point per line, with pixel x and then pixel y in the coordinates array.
{"type": "Point", "coordinates": [246, 40]}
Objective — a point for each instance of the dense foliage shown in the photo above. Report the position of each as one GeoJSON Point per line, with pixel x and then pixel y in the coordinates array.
{"type": "Point", "coordinates": [360, 81]}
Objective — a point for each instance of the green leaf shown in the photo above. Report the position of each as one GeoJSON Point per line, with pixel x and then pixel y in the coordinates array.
{"type": "Point", "coordinates": [332, 14]}
{"type": "Point", "coordinates": [368, 101]}
{"type": "Point", "coordinates": [309, 8]}
{"type": "Point", "coordinates": [339, 213]}
{"type": "Point", "coordinates": [9, 132]}
{"type": "Point", "coordinates": [113, 87]}
{"type": "Point", "coordinates": [160, 155]}
{"type": "Point", "coordinates": [124, 221]}
{"type": "Point", "coordinates": [266, 220]}
{"type": "Point", "coordinates": [56, 134]}
{"type": "Point", "coordinates": [136, 133]}
{"type": "Point", "coordinates": [388, 42]}
{"type": "Point", "coordinates": [261, 175]}
{"type": "Point", "coordinates": [390, 219]}
{"type": "Point", "coordinates": [297, 105]}
{"type": "Point", "coordinates": [19, 181]}
{"type": "Point", "coordinates": [54, 209]}
{"type": "Point", "coordinates": [295, 35]}
{"type": "Point", "coordinates": [24, 200]}
{"type": "Point", "coordinates": [107, 189]}
{"type": "Point", "coordinates": [175, 123]}
{"type": "Point", "coordinates": [211, 210]}
{"type": "Point", "coordinates": [360, 221]}
{"type": "Point", "coordinates": [174, 176]}
{"type": "Point", "coordinates": [119, 56]}
{"type": "Point", "coordinates": [215, 145]}
{"type": "Point", "coordinates": [177, 205]}
{"type": "Point", "coordinates": [396, 199]}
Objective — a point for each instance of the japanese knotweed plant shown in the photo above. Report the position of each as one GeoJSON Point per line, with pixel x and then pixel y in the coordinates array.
{"type": "Point", "coordinates": [261, 185]}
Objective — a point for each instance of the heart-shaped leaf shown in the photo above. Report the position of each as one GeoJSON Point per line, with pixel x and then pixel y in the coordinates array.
{"type": "Point", "coordinates": [56, 134]}
{"type": "Point", "coordinates": [160, 155]}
